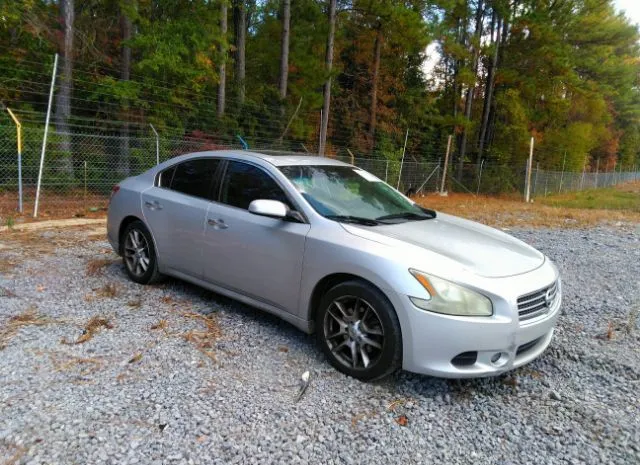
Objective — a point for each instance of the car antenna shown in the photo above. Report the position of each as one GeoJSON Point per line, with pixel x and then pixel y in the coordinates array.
{"type": "Point", "coordinates": [245, 146]}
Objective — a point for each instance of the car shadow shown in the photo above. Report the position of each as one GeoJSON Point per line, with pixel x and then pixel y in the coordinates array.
{"type": "Point", "coordinates": [213, 302]}
{"type": "Point", "coordinates": [402, 383]}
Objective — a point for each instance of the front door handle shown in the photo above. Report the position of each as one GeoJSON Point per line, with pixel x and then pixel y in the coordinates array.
{"type": "Point", "coordinates": [217, 224]}
{"type": "Point", "coordinates": [155, 205]}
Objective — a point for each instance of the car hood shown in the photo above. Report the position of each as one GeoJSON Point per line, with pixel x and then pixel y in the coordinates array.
{"type": "Point", "coordinates": [479, 249]}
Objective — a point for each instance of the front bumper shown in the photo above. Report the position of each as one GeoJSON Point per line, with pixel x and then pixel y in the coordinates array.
{"type": "Point", "coordinates": [467, 347]}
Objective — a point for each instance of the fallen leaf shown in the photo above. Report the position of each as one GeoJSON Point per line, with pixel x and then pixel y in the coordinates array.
{"type": "Point", "coordinates": [136, 358]}
{"type": "Point", "coordinates": [40, 288]}
{"type": "Point", "coordinates": [610, 333]}
{"type": "Point", "coordinates": [402, 420]}
{"type": "Point", "coordinates": [283, 349]}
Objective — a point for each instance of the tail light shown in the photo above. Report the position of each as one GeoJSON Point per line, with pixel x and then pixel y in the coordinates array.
{"type": "Point", "coordinates": [114, 191]}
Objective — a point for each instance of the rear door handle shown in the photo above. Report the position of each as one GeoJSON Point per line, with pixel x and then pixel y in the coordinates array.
{"type": "Point", "coordinates": [217, 224]}
{"type": "Point", "coordinates": [155, 205]}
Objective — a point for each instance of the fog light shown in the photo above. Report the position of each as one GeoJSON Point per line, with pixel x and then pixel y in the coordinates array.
{"type": "Point", "coordinates": [465, 359]}
{"type": "Point", "coordinates": [496, 357]}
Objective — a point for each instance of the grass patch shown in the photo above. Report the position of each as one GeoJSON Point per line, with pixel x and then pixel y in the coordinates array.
{"type": "Point", "coordinates": [92, 328]}
{"type": "Point", "coordinates": [29, 317]}
{"type": "Point", "coordinates": [203, 340]}
{"type": "Point", "coordinates": [82, 365]}
{"type": "Point", "coordinates": [109, 291]}
{"type": "Point", "coordinates": [162, 324]}
{"type": "Point", "coordinates": [625, 197]}
{"type": "Point", "coordinates": [96, 266]}
{"type": "Point", "coordinates": [508, 212]}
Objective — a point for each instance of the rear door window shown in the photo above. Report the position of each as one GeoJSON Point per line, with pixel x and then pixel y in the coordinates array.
{"type": "Point", "coordinates": [196, 177]}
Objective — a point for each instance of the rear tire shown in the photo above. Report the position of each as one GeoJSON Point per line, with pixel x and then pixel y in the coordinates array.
{"type": "Point", "coordinates": [139, 254]}
{"type": "Point", "coordinates": [358, 330]}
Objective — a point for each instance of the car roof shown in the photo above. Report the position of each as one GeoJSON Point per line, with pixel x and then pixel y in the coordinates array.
{"type": "Point", "coordinates": [273, 157]}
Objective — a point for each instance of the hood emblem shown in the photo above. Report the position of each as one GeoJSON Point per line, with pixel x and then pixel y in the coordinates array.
{"type": "Point", "coordinates": [548, 298]}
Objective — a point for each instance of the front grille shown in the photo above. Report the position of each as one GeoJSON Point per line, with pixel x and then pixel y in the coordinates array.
{"type": "Point", "coordinates": [537, 303]}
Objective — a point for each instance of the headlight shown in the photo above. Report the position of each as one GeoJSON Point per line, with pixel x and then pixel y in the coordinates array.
{"type": "Point", "coordinates": [451, 299]}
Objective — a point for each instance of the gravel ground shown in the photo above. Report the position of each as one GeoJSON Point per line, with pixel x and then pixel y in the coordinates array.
{"type": "Point", "coordinates": [155, 381]}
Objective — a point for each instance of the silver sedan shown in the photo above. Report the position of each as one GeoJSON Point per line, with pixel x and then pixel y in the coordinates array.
{"type": "Point", "coordinates": [384, 283]}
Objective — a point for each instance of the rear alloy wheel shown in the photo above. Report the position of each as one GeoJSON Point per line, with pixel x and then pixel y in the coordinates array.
{"type": "Point", "coordinates": [359, 331]}
{"type": "Point", "coordinates": [139, 254]}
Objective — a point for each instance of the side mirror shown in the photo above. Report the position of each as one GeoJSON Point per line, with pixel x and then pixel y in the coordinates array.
{"type": "Point", "coordinates": [271, 208]}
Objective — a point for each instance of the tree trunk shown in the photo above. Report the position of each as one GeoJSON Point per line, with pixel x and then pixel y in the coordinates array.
{"type": "Point", "coordinates": [328, 65]}
{"type": "Point", "coordinates": [63, 97]}
{"type": "Point", "coordinates": [456, 70]}
{"type": "Point", "coordinates": [222, 67]}
{"type": "Point", "coordinates": [469, 94]}
{"type": "Point", "coordinates": [491, 127]}
{"type": "Point", "coordinates": [488, 93]}
{"type": "Point", "coordinates": [122, 166]}
{"type": "Point", "coordinates": [284, 48]}
{"type": "Point", "coordinates": [240, 22]}
{"type": "Point", "coordinates": [374, 87]}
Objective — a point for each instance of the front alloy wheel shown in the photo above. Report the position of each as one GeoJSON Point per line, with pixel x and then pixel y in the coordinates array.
{"type": "Point", "coordinates": [353, 332]}
{"type": "Point", "coordinates": [358, 330]}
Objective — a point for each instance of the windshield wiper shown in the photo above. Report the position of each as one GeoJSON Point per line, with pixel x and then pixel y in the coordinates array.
{"type": "Point", "coordinates": [354, 219]}
{"type": "Point", "coordinates": [407, 216]}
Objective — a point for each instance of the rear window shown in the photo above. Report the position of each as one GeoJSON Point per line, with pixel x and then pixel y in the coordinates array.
{"type": "Point", "coordinates": [195, 177]}
{"type": "Point", "coordinates": [164, 178]}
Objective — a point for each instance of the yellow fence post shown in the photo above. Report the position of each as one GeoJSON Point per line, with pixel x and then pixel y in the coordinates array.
{"type": "Point", "coordinates": [19, 131]}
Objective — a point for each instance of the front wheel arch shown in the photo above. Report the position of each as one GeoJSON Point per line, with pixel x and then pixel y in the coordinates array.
{"type": "Point", "coordinates": [391, 353]}
{"type": "Point", "coordinates": [332, 280]}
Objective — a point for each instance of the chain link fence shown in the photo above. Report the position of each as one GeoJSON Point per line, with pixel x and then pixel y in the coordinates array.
{"type": "Point", "coordinates": [80, 170]}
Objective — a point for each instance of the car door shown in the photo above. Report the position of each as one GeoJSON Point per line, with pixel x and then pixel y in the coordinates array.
{"type": "Point", "coordinates": [175, 210]}
{"type": "Point", "coordinates": [258, 256]}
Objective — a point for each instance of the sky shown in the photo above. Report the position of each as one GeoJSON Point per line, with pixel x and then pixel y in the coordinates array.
{"type": "Point", "coordinates": [631, 8]}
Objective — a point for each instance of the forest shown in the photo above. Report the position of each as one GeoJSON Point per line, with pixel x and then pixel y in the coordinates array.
{"type": "Point", "coordinates": [334, 76]}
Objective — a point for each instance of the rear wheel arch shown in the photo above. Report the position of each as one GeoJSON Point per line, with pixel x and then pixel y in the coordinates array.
{"type": "Point", "coordinates": [123, 227]}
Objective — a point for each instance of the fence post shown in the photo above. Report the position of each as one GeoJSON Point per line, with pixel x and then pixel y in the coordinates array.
{"type": "Point", "coordinates": [584, 168]}
{"type": "Point", "coordinates": [564, 160]}
{"type": "Point", "coordinates": [157, 144]}
{"type": "Point", "coordinates": [19, 132]}
{"type": "Point", "coordinates": [85, 185]}
{"type": "Point", "coordinates": [402, 161]}
{"type": "Point", "coordinates": [480, 177]}
{"type": "Point", "coordinates": [446, 165]}
{"type": "Point", "coordinates": [535, 180]}
{"type": "Point", "coordinates": [527, 195]}
{"type": "Point", "coordinates": [386, 173]}
{"type": "Point", "coordinates": [46, 131]}
{"type": "Point", "coordinates": [321, 146]}
{"type": "Point", "coordinates": [597, 167]}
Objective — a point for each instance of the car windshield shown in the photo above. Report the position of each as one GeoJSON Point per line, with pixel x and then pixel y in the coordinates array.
{"type": "Point", "coordinates": [346, 193]}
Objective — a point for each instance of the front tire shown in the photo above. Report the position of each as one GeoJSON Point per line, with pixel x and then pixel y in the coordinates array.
{"type": "Point", "coordinates": [358, 330]}
{"type": "Point", "coordinates": [139, 254]}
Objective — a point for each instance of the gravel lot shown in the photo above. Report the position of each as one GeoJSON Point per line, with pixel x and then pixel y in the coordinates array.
{"type": "Point", "coordinates": [155, 381]}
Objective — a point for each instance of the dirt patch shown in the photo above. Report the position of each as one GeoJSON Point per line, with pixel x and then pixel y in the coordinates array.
{"type": "Point", "coordinates": [50, 224]}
